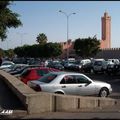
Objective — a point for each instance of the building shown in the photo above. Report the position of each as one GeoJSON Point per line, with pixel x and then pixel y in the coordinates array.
{"type": "Point", "coordinates": [67, 47]}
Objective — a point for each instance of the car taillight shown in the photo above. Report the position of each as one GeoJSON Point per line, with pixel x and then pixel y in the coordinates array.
{"type": "Point", "coordinates": [37, 88]}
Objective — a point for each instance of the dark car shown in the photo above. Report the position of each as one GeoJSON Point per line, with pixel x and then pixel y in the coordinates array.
{"type": "Point", "coordinates": [21, 70]}
{"type": "Point", "coordinates": [87, 67]}
{"type": "Point", "coordinates": [113, 69]}
{"type": "Point", "coordinates": [58, 66]}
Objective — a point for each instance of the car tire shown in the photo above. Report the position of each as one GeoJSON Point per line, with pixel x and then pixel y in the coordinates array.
{"type": "Point", "coordinates": [103, 92]}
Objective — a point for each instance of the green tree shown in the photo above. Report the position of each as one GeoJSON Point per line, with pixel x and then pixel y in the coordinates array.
{"type": "Point", "coordinates": [42, 39]}
{"type": "Point", "coordinates": [19, 51]}
{"type": "Point", "coordinates": [52, 49]}
{"type": "Point", "coordinates": [87, 47]}
{"type": "Point", "coordinates": [1, 52]}
{"type": "Point", "coordinates": [43, 51]}
{"type": "Point", "coordinates": [9, 53]}
{"type": "Point", "coordinates": [8, 19]}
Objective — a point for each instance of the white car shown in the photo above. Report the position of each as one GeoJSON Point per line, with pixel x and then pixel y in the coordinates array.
{"type": "Point", "coordinates": [70, 83]}
{"type": "Point", "coordinates": [6, 64]}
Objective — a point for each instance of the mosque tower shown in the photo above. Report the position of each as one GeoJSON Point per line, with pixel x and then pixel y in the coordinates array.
{"type": "Point", "coordinates": [106, 31]}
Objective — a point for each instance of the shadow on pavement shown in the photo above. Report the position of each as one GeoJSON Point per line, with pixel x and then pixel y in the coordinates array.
{"type": "Point", "coordinates": [8, 100]}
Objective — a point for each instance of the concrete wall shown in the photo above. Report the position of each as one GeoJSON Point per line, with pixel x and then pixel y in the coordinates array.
{"type": "Point", "coordinates": [37, 102]}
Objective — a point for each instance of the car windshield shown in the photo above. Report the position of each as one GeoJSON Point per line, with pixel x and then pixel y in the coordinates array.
{"type": "Point", "coordinates": [48, 78]}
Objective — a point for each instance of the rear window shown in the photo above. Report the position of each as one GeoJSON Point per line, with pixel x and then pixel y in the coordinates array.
{"type": "Point", "coordinates": [41, 72]}
{"type": "Point", "coordinates": [48, 78]}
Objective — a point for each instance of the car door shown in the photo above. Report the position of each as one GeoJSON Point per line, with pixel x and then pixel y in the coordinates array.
{"type": "Point", "coordinates": [84, 86]}
{"type": "Point", "coordinates": [68, 85]}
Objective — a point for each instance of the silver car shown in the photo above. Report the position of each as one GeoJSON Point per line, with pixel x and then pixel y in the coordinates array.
{"type": "Point", "coordinates": [70, 83]}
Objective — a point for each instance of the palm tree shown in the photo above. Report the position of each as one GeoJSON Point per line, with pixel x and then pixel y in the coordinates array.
{"type": "Point", "coordinates": [42, 39]}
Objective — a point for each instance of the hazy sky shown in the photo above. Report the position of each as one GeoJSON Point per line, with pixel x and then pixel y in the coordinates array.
{"type": "Point", "coordinates": [44, 17]}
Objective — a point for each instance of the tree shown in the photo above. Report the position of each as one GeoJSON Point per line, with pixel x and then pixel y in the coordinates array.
{"type": "Point", "coordinates": [87, 47]}
{"type": "Point", "coordinates": [9, 53]}
{"type": "Point", "coordinates": [52, 49]}
{"type": "Point", "coordinates": [8, 19]}
{"type": "Point", "coordinates": [42, 39]}
{"type": "Point", "coordinates": [1, 52]}
{"type": "Point", "coordinates": [19, 51]}
{"type": "Point", "coordinates": [43, 51]}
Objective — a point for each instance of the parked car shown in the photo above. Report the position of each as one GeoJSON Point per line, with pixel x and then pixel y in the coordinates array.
{"type": "Point", "coordinates": [87, 67]}
{"type": "Point", "coordinates": [58, 66]}
{"type": "Point", "coordinates": [35, 73]}
{"type": "Point", "coordinates": [79, 64]}
{"type": "Point", "coordinates": [68, 65]}
{"type": "Point", "coordinates": [6, 64]}
{"type": "Point", "coordinates": [70, 83]}
{"type": "Point", "coordinates": [99, 65]}
{"type": "Point", "coordinates": [20, 60]}
{"type": "Point", "coordinates": [113, 67]}
{"type": "Point", "coordinates": [15, 67]}
{"type": "Point", "coordinates": [19, 72]}
{"type": "Point", "coordinates": [76, 67]}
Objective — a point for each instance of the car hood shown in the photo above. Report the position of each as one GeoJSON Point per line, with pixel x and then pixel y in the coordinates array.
{"type": "Point", "coordinates": [97, 81]}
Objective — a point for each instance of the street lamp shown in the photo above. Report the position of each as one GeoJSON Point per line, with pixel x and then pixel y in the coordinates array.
{"type": "Point", "coordinates": [67, 16]}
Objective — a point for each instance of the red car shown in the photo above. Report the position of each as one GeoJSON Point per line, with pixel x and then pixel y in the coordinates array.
{"type": "Point", "coordinates": [35, 73]}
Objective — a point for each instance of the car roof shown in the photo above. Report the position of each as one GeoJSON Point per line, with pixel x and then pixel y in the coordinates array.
{"type": "Point", "coordinates": [66, 73]}
{"type": "Point", "coordinates": [43, 68]}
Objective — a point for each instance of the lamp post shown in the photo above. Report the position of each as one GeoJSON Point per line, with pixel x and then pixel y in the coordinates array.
{"type": "Point", "coordinates": [67, 16]}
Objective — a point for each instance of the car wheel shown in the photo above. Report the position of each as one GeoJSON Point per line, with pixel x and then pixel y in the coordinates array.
{"type": "Point", "coordinates": [103, 92]}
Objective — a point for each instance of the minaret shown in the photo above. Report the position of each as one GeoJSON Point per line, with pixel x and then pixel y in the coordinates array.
{"type": "Point", "coordinates": [106, 31]}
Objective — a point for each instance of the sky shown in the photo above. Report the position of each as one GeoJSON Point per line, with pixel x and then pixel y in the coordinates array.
{"type": "Point", "coordinates": [44, 17]}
